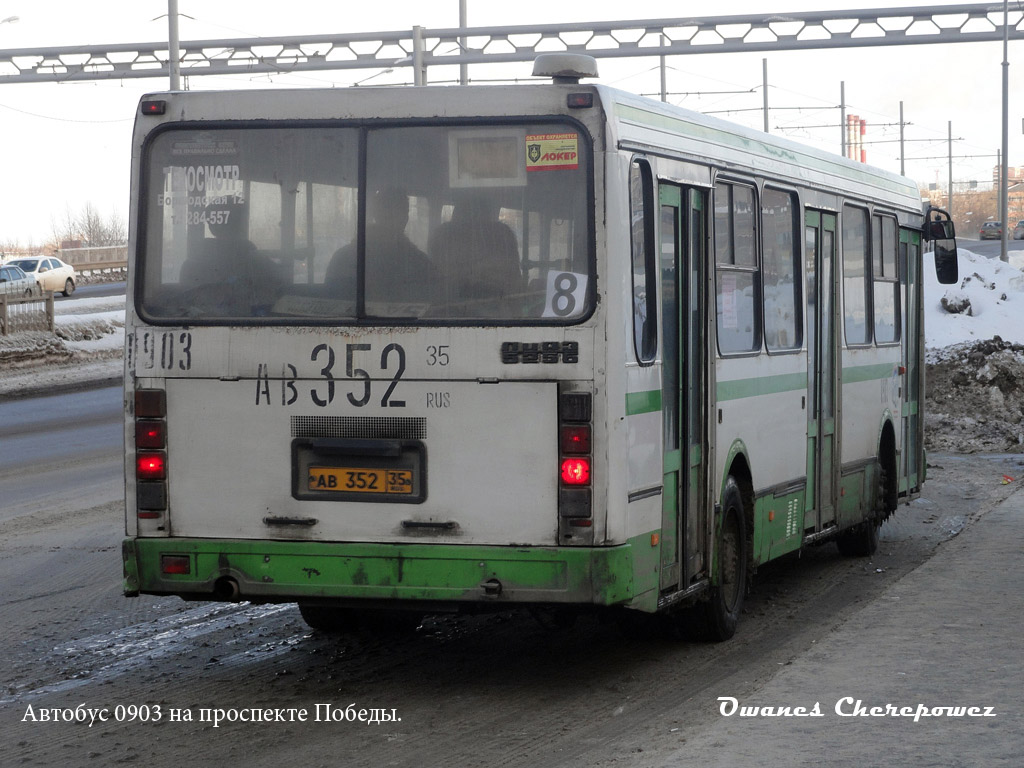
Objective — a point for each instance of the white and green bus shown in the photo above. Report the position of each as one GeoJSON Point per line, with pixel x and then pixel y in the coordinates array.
{"type": "Point", "coordinates": [434, 349]}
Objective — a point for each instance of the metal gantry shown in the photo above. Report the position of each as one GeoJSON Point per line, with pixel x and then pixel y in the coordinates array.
{"type": "Point", "coordinates": [421, 48]}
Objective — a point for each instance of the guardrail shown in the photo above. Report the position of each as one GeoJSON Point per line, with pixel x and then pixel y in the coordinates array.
{"type": "Point", "coordinates": [96, 258]}
{"type": "Point", "coordinates": [26, 313]}
{"type": "Point", "coordinates": [102, 266]}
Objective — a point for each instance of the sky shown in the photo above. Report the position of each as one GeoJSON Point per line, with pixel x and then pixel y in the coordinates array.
{"type": "Point", "coordinates": [68, 145]}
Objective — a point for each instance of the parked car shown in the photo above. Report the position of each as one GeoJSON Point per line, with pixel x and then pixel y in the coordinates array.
{"type": "Point", "coordinates": [14, 281]}
{"type": "Point", "coordinates": [51, 273]}
{"type": "Point", "coordinates": [1018, 231]}
{"type": "Point", "coordinates": [991, 230]}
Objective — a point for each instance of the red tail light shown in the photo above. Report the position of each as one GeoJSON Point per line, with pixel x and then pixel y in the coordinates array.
{"type": "Point", "coordinates": [150, 433]}
{"type": "Point", "coordinates": [576, 471]}
{"type": "Point", "coordinates": [575, 438]}
{"type": "Point", "coordinates": [151, 465]}
{"type": "Point", "coordinates": [151, 453]}
{"type": "Point", "coordinates": [575, 495]}
{"type": "Point", "coordinates": [176, 564]}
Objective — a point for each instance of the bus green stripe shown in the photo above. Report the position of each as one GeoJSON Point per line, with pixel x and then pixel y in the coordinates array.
{"type": "Point", "coordinates": [789, 382]}
{"type": "Point", "coordinates": [643, 402]}
{"type": "Point", "coordinates": [858, 373]}
{"type": "Point", "coordinates": [763, 385]}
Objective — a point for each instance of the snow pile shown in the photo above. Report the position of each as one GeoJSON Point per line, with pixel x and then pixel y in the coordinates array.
{"type": "Point", "coordinates": [975, 355]}
{"type": "Point", "coordinates": [987, 302]}
{"type": "Point", "coordinates": [975, 399]}
{"type": "Point", "coordinates": [31, 348]}
{"type": "Point", "coordinates": [89, 327]}
{"type": "Point", "coordinates": [85, 330]}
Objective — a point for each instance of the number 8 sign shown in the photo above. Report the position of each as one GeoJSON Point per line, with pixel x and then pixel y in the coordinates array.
{"type": "Point", "coordinates": [566, 294]}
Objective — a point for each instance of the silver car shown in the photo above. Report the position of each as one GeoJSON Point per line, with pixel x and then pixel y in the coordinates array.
{"type": "Point", "coordinates": [14, 281]}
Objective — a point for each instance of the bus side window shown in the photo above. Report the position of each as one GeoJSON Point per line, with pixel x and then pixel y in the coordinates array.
{"type": "Point", "coordinates": [886, 280]}
{"type": "Point", "coordinates": [783, 298]}
{"type": "Point", "coordinates": [856, 302]}
{"type": "Point", "coordinates": [641, 209]}
{"type": "Point", "coordinates": [737, 276]}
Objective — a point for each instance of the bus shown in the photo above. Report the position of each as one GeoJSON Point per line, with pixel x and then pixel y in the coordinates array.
{"type": "Point", "coordinates": [399, 351]}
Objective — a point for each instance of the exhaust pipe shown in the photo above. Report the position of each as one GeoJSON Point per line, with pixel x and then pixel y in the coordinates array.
{"type": "Point", "coordinates": [226, 588]}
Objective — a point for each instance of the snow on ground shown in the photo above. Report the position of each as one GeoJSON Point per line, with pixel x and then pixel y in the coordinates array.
{"type": "Point", "coordinates": [87, 346]}
{"type": "Point", "coordinates": [994, 293]}
{"type": "Point", "coordinates": [975, 354]}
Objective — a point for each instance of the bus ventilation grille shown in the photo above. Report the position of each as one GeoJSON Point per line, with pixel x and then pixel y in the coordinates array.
{"type": "Point", "coordinates": [384, 427]}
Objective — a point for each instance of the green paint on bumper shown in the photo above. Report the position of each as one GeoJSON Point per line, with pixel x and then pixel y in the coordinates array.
{"type": "Point", "coordinates": [280, 571]}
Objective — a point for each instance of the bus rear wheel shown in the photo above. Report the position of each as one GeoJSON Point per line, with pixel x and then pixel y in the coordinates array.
{"type": "Point", "coordinates": [326, 618]}
{"type": "Point", "coordinates": [859, 541]}
{"type": "Point", "coordinates": [722, 610]}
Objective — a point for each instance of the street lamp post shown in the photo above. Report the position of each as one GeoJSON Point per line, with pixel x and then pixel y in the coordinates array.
{"type": "Point", "coordinates": [174, 52]}
{"type": "Point", "coordinates": [1004, 176]}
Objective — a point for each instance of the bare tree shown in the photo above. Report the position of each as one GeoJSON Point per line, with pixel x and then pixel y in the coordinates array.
{"type": "Point", "coordinates": [89, 228]}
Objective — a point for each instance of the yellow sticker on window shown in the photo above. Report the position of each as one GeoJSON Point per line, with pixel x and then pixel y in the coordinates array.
{"type": "Point", "coordinates": [552, 152]}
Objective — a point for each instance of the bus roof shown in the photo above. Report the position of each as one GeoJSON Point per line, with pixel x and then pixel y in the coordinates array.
{"type": "Point", "coordinates": [643, 123]}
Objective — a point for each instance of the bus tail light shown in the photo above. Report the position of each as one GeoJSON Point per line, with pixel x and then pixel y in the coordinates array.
{"type": "Point", "coordinates": [151, 465]}
{"type": "Point", "coordinates": [576, 471]}
{"type": "Point", "coordinates": [176, 565]}
{"type": "Point", "coordinates": [575, 497]}
{"type": "Point", "coordinates": [150, 433]}
{"type": "Point", "coordinates": [575, 438]}
{"type": "Point", "coordinates": [150, 453]}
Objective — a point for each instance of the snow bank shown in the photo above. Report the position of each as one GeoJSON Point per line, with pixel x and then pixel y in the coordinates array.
{"type": "Point", "coordinates": [990, 298]}
{"type": "Point", "coordinates": [975, 352]}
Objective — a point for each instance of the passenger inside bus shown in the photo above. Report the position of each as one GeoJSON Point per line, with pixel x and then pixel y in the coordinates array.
{"type": "Point", "coordinates": [240, 280]}
{"type": "Point", "coordinates": [477, 255]}
{"type": "Point", "coordinates": [396, 270]}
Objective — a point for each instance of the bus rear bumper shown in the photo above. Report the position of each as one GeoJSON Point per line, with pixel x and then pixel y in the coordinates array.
{"type": "Point", "coordinates": [436, 574]}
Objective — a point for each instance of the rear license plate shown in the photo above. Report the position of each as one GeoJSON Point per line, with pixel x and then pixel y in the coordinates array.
{"type": "Point", "coordinates": [360, 480]}
{"type": "Point", "coordinates": [356, 469]}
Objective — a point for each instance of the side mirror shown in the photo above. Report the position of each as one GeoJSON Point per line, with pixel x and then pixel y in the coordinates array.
{"type": "Point", "coordinates": [938, 228]}
{"type": "Point", "coordinates": [946, 269]}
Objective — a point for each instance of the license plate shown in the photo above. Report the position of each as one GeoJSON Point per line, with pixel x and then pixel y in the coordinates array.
{"type": "Point", "coordinates": [360, 480]}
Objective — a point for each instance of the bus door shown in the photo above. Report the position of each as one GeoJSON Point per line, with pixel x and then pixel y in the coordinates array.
{"type": "Point", "coordinates": [910, 259]}
{"type": "Point", "coordinates": [822, 454]}
{"type": "Point", "coordinates": [683, 254]}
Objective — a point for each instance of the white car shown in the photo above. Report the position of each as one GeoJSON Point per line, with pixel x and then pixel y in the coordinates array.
{"type": "Point", "coordinates": [50, 273]}
{"type": "Point", "coordinates": [14, 282]}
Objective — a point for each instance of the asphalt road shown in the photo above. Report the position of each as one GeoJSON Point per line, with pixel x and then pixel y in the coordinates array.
{"type": "Point", "coordinates": [95, 290]}
{"type": "Point", "coordinates": [63, 451]}
{"type": "Point", "coordinates": [992, 248]}
{"type": "Point", "coordinates": [497, 689]}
